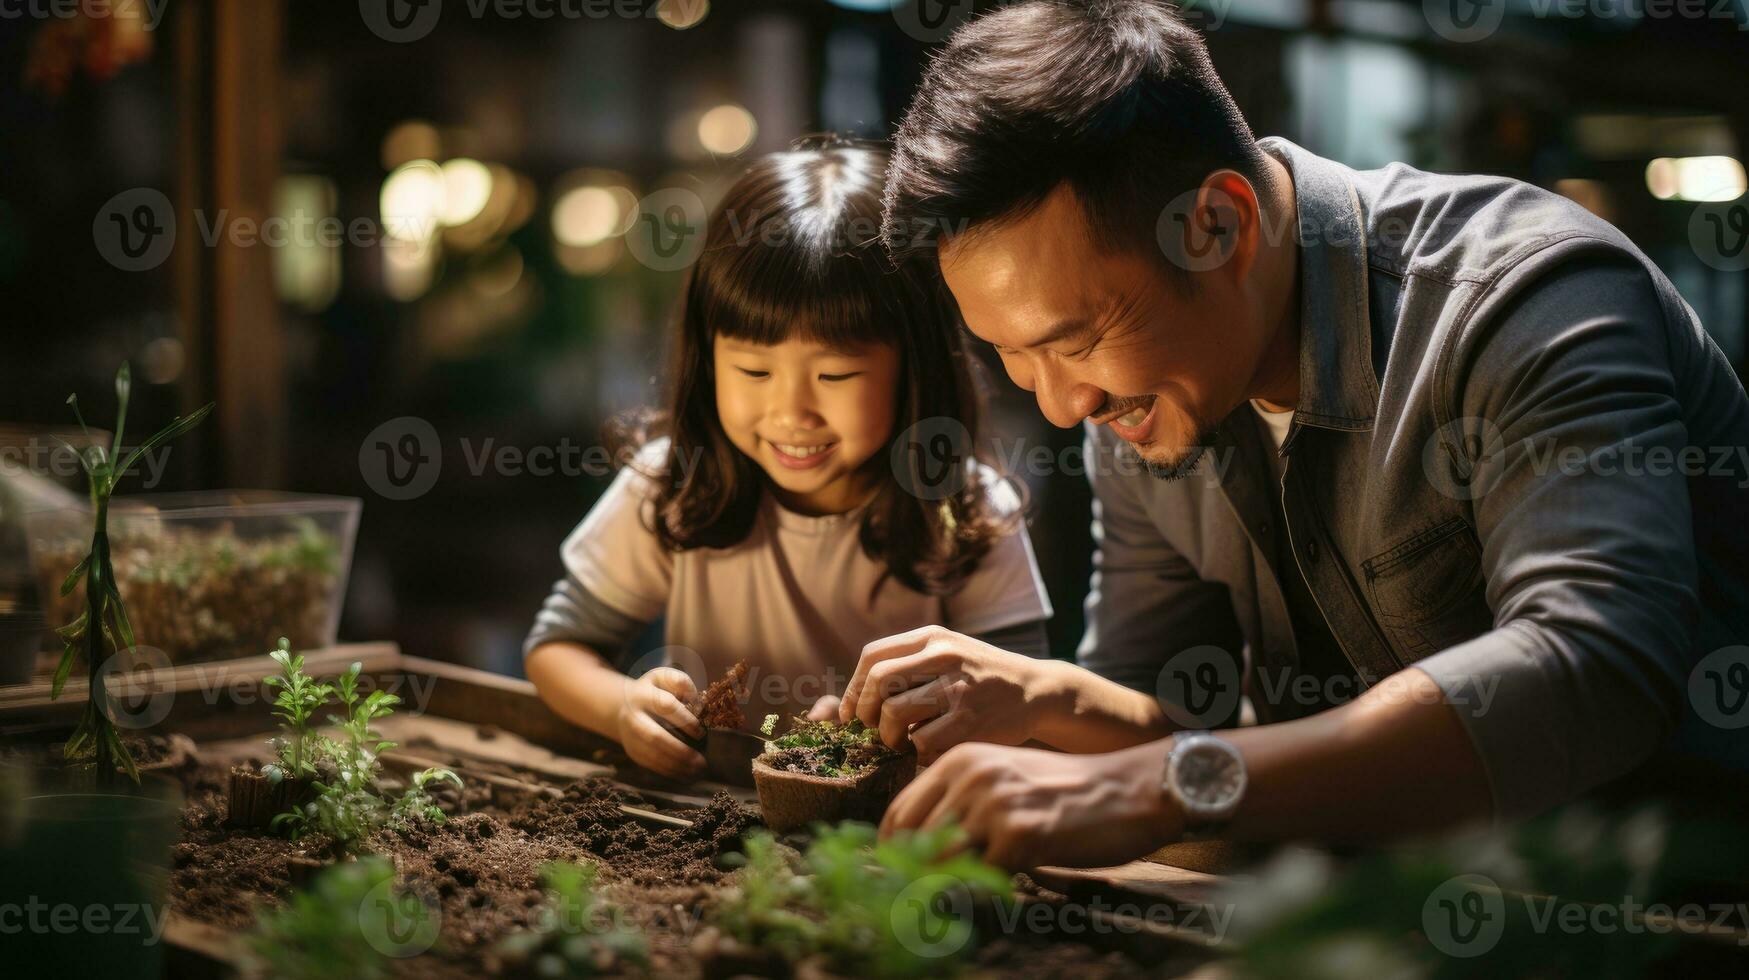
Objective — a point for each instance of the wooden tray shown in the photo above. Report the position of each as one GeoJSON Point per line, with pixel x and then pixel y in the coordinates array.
{"type": "Point", "coordinates": [505, 737]}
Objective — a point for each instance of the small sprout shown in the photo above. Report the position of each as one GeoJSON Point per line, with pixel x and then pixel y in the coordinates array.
{"type": "Point", "coordinates": [768, 726]}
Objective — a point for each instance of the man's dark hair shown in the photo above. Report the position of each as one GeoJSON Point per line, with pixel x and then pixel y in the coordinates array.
{"type": "Point", "coordinates": [1115, 97]}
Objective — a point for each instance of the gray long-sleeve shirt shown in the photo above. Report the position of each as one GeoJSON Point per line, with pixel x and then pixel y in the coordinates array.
{"type": "Point", "coordinates": [1518, 463]}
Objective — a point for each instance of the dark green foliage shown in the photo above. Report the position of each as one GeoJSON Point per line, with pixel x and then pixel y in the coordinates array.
{"type": "Point", "coordinates": [326, 931]}
{"type": "Point", "coordinates": [863, 904]}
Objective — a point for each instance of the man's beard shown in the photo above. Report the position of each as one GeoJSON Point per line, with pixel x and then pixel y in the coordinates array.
{"type": "Point", "coordinates": [1184, 466]}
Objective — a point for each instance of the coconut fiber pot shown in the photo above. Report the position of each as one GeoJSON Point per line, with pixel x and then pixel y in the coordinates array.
{"type": "Point", "coordinates": [792, 800]}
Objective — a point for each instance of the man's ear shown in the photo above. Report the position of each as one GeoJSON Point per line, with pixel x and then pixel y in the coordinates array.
{"type": "Point", "coordinates": [1214, 226]}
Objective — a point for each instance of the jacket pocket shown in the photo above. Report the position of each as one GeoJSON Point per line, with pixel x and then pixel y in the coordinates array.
{"type": "Point", "coordinates": [1428, 591]}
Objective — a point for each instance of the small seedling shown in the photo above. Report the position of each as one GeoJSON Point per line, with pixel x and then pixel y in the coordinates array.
{"type": "Point", "coordinates": [347, 807]}
{"type": "Point", "coordinates": [862, 904]}
{"type": "Point", "coordinates": [824, 748]}
{"type": "Point", "coordinates": [327, 931]}
{"type": "Point", "coordinates": [576, 934]}
{"type": "Point", "coordinates": [104, 623]}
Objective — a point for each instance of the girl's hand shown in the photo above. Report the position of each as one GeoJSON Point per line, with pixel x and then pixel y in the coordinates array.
{"type": "Point", "coordinates": [655, 706]}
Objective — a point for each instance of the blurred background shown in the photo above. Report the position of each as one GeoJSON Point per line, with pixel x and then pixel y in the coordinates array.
{"type": "Point", "coordinates": [331, 216]}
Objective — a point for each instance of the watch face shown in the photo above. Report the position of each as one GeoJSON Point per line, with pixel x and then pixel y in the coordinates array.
{"type": "Point", "coordinates": [1209, 777]}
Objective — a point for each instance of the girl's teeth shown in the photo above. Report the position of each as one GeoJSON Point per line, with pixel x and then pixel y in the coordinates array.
{"type": "Point", "coordinates": [1135, 417]}
{"type": "Point", "coordinates": [802, 452]}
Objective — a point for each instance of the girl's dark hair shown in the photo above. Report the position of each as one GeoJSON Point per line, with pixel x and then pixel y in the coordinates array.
{"type": "Point", "coordinates": [794, 250]}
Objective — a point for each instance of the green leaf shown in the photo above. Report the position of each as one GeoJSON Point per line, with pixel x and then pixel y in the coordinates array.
{"type": "Point", "coordinates": [124, 383]}
{"type": "Point", "coordinates": [169, 432]}
{"type": "Point", "coordinates": [64, 669]}
{"type": "Point", "coordinates": [71, 582]}
{"type": "Point", "coordinates": [124, 626]}
{"type": "Point", "coordinates": [74, 630]}
{"type": "Point", "coordinates": [121, 752]}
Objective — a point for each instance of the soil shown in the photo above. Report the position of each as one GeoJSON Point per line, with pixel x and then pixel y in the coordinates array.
{"type": "Point", "coordinates": [828, 760]}
{"type": "Point", "coordinates": [481, 868]}
{"type": "Point", "coordinates": [719, 706]}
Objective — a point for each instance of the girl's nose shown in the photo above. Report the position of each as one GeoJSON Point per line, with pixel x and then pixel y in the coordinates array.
{"type": "Point", "coordinates": [793, 405]}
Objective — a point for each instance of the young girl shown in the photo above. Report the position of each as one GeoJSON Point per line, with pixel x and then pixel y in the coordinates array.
{"type": "Point", "coordinates": [769, 524]}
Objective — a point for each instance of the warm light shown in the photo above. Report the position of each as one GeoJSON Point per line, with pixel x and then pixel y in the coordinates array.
{"type": "Point", "coordinates": [499, 275]}
{"type": "Point", "coordinates": [413, 201]}
{"type": "Point", "coordinates": [726, 129]}
{"type": "Point", "coordinates": [587, 215]}
{"type": "Point", "coordinates": [591, 260]}
{"type": "Point", "coordinates": [1703, 179]}
{"type": "Point", "coordinates": [414, 139]}
{"type": "Point", "coordinates": [408, 267]}
{"type": "Point", "coordinates": [681, 14]}
{"type": "Point", "coordinates": [306, 263]}
{"type": "Point", "coordinates": [467, 186]}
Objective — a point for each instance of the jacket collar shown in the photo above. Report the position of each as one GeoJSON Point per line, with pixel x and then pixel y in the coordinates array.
{"type": "Point", "coordinates": [1338, 387]}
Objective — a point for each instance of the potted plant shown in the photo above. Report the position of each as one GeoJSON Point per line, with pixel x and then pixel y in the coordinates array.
{"type": "Point", "coordinates": [821, 770]}
{"type": "Point", "coordinates": [87, 838]}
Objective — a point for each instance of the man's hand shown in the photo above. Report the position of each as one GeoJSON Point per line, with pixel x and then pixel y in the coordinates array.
{"type": "Point", "coordinates": [825, 709]}
{"type": "Point", "coordinates": [954, 688]}
{"type": "Point", "coordinates": [1031, 807]}
{"type": "Point", "coordinates": [656, 698]}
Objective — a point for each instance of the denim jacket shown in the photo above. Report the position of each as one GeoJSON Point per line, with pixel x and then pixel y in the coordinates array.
{"type": "Point", "coordinates": [1518, 463]}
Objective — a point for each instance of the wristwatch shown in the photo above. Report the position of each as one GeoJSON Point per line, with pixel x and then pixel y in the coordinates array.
{"type": "Point", "coordinates": [1205, 777]}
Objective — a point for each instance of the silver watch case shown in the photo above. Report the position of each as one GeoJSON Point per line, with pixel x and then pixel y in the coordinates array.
{"type": "Point", "coordinates": [1205, 776]}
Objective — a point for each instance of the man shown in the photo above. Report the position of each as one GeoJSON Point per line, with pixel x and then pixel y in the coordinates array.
{"type": "Point", "coordinates": [1377, 447]}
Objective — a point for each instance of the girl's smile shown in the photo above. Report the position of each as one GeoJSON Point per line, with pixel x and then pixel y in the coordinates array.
{"type": "Point", "coordinates": [811, 416]}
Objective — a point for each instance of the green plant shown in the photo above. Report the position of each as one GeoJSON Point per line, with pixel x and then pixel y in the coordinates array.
{"type": "Point", "coordinates": [347, 806]}
{"type": "Point", "coordinates": [832, 749]}
{"type": "Point", "coordinates": [346, 924]}
{"type": "Point", "coordinates": [863, 904]}
{"type": "Point", "coordinates": [298, 700]}
{"type": "Point", "coordinates": [105, 619]}
{"type": "Point", "coordinates": [575, 934]}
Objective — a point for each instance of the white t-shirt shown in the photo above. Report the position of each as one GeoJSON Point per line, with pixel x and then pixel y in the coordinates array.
{"type": "Point", "coordinates": [792, 599]}
{"type": "Point", "coordinates": [1278, 424]}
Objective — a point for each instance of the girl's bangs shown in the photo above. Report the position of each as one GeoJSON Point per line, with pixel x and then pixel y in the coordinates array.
{"type": "Point", "coordinates": [776, 293]}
